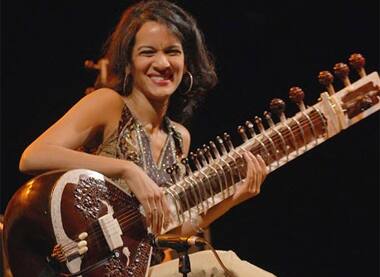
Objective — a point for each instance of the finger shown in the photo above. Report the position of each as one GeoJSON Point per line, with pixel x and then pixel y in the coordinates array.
{"type": "Point", "coordinates": [258, 175]}
{"type": "Point", "coordinates": [159, 217]}
{"type": "Point", "coordinates": [167, 219]}
{"type": "Point", "coordinates": [249, 176]}
{"type": "Point", "coordinates": [148, 213]}
{"type": "Point", "coordinates": [252, 170]}
{"type": "Point", "coordinates": [155, 221]}
{"type": "Point", "coordinates": [260, 170]}
{"type": "Point", "coordinates": [154, 212]}
{"type": "Point", "coordinates": [157, 211]}
{"type": "Point", "coordinates": [263, 166]}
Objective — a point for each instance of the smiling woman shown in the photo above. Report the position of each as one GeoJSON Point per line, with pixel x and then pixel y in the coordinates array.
{"type": "Point", "coordinates": [157, 62]}
{"type": "Point", "coordinates": [157, 59]}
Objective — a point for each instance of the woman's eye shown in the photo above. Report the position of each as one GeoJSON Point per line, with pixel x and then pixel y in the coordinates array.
{"type": "Point", "coordinates": [174, 52]}
{"type": "Point", "coordinates": [147, 53]}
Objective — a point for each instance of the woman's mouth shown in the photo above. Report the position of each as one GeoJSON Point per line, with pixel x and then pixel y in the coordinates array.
{"type": "Point", "coordinates": [160, 80]}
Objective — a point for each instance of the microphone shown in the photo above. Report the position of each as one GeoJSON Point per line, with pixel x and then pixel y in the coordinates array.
{"type": "Point", "coordinates": [178, 242]}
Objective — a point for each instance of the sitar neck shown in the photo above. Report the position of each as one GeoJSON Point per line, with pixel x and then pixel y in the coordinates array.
{"type": "Point", "coordinates": [221, 166]}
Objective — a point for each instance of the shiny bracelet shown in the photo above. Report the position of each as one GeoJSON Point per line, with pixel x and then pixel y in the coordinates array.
{"type": "Point", "coordinates": [195, 222]}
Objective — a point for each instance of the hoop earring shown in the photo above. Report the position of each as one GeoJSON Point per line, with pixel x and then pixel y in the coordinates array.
{"type": "Point", "coordinates": [191, 83]}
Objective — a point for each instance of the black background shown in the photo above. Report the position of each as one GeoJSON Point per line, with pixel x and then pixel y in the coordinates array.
{"type": "Point", "coordinates": [316, 216]}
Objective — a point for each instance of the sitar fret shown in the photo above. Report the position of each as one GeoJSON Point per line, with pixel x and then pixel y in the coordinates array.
{"type": "Point", "coordinates": [221, 174]}
{"type": "Point", "coordinates": [215, 179]}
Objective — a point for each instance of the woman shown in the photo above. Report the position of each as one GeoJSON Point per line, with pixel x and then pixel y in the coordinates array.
{"type": "Point", "coordinates": [157, 62]}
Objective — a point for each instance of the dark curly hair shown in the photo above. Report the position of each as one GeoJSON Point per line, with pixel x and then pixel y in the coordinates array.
{"type": "Point", "coordinates": [199, 63]}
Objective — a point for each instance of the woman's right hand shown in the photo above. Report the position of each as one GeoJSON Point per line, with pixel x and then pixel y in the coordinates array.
{"type": "Point", "coordinates": [151, 197]}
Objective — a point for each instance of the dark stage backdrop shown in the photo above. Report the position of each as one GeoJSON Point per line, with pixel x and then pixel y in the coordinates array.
{"type": "Point", "coordinates": [318, 215]}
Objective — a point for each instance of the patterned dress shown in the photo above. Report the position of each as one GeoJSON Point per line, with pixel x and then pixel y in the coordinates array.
{"type": "Point", "coordinates": [130, 142]}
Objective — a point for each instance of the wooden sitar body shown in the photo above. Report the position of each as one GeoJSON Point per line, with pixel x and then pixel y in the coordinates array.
{"type": "Point", "coordinates": [55, 208]}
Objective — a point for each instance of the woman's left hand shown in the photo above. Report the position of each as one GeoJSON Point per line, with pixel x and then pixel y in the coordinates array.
{"type": "Point", "coordinates": [255, 175]}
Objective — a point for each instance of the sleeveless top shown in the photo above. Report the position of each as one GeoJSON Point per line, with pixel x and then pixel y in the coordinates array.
{"type": "Point", "coordinates": [130, 142]}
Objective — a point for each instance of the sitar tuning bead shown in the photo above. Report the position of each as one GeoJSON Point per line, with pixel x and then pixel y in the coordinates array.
{"type": "Point", "coordinates": [357, 62]}
{"type": "Point", "coordinates": [296, 95]}
{"type": "Point", "coordinates": [201, 157]}
{"type": "Point", "coordinates": [341, 70]}
{"type": "Point", "coordinates": [185, 162]}
{"type": "Point", "coordinates": [277, 106]}
{"type": "Point", "coordinates": [242, 133]}
{"type": "Point", "coordinates": [220, 141]}
{"type": "Point", "coordinates": [326, 79]}
{"type": "Point", "coordinates": [214, 149]}
{"type": "Point", "coordinates": [259, 123]}
{"type": "Point", "coordinates": [228, 141]}
{"type": "Point", "coordinates": [204, 148]}
{"type": "Point", "coordinates": [194, 158]}
{"type": "Point", "coordinates": [207, 151]}
{"type": "Point", "coordinates": [176, 169]}
{"type": "Point", "coordinates": [269, 119]}
{"type": "Point", "coordinates": [250, 128]}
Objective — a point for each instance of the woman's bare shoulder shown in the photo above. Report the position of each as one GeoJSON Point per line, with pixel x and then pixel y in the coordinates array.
{"type": "Point", "coordinates": [185, 136]}
{"type": "Point", "coordinates": [104, 96]}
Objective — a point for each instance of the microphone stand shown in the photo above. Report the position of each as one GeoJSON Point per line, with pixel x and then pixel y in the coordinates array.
{"type": "Point", "coordinates": [184, 261]}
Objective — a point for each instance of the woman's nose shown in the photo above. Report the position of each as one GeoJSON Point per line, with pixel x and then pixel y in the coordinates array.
{"type": "Point", "coordinates": [161, 62]}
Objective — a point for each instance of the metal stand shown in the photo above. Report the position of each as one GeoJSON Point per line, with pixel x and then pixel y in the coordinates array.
{"type": "Point", "coordinates": [184, 262]}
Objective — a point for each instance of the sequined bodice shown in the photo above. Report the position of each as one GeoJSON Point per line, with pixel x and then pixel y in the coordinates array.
{"type": "Point", "coordinates": [130, 142]}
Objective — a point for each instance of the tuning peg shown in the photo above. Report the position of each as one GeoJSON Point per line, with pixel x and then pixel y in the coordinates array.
{"type": "Point", "coordinates": [242, 133]}
{"type": "Point", "coordinates": [259, 124]}
{"type": "Point", "coordinates": [170, 171]}
{"type": "Point", "coordinates": [207, 152]}
{"type": "Point", "coordinates": [277, 106]}
{"type": "Point", "coordinates": [82, 236]}
{"type": "Point", "coordinates": [82, 250]}
{"type": "Point", "coordinates": [221, 145]}
{"type": "Point", "coordinates": [297, 95]}
{"type": "Point", "coordinates": [250, 128]}
{"type": "Point", "coordinates": [185, 162]}
{"type": "Point", "coordinates": [214, 150]}
{"type": "Point", "coordinates": [341, 70]}
{"type": "Point", "coordinates": [195, 160]}
{"type": "Point", "coordinates": [326, 79]}
{"type": "Point", "coordinates": [228, 141]}
{"type": "Point", "coordinates": [357, 61]}
{"type": "Point", "coordinates": [201, 157]}
{"type": "Point", "coordinates": [82, 243]}
{"type": "Point", "coordinates": [269, 119]}
{"type": "Point", "coordinates": [176, 169]}
{"type": "Point", "coordinates": [89, 64]}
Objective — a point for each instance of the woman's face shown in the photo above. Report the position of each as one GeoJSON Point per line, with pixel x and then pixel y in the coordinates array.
{"type": "Point", "coordinates": [157, 61]}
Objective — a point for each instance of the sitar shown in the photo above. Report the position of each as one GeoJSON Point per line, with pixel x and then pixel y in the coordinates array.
{"type": "Point", "coordinates": [81, 223]}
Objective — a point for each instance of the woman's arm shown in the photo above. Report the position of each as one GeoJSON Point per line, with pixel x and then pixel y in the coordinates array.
{"type": "Point", "coordinates": [55, 148]}
{"type": "Point", "coordinates": [97, 113]}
